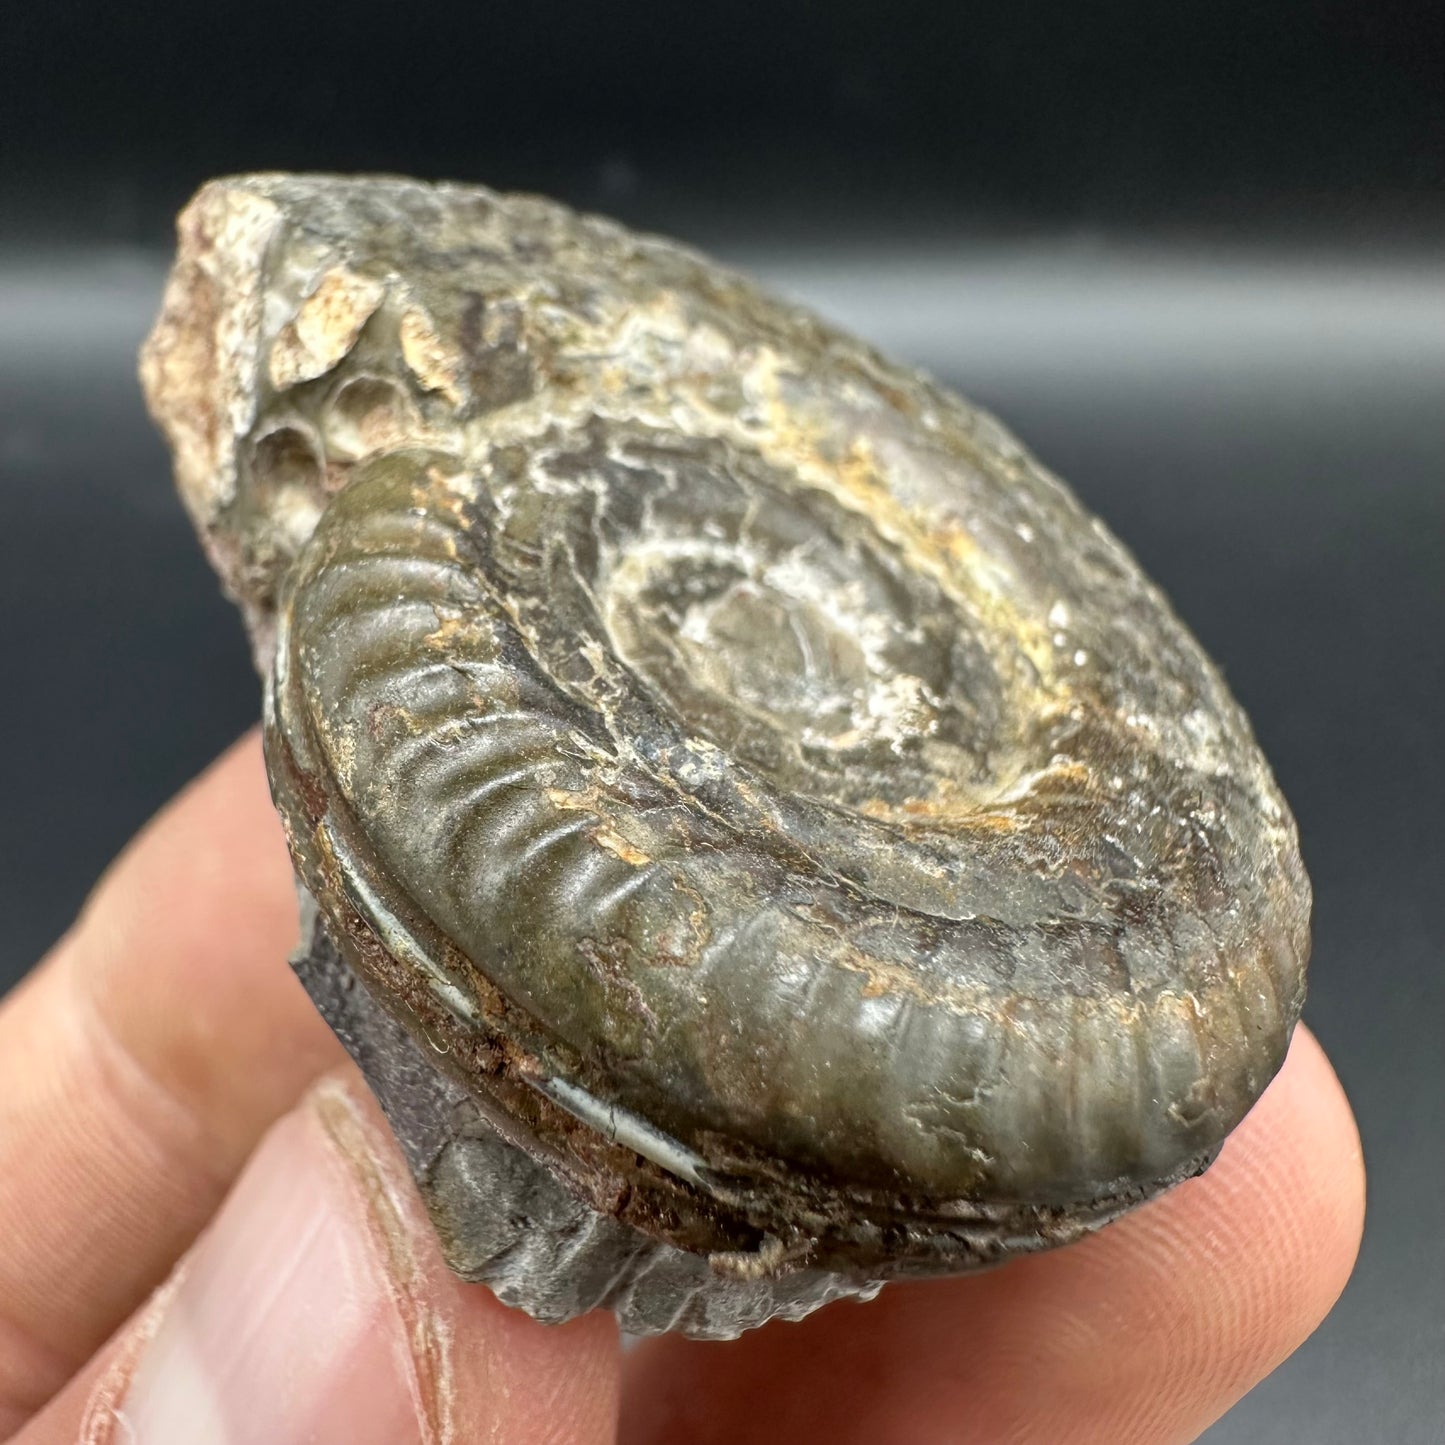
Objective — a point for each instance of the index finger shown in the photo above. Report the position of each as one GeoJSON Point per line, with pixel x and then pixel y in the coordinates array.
{"type": "Point", "coordinates": [139, 1065]}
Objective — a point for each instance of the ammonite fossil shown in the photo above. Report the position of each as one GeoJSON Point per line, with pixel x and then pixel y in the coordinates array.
{"type": "Point", "coordinates": [762, 837]}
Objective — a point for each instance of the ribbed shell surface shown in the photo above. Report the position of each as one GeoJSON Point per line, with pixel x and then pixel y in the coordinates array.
{"type": "Point", "coordinates": [830, 794]}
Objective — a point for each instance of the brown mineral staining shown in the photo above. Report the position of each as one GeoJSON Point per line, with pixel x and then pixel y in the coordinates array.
{"type": "Point", "coordinates": [791, 770]}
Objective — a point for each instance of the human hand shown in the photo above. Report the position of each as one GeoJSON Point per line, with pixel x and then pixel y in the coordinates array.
{"type": "Point", "coordinates": [207, 1235]}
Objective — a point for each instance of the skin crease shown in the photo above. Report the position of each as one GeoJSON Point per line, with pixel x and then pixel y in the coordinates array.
{"type": "Point", "coordinates": [140, 1065]}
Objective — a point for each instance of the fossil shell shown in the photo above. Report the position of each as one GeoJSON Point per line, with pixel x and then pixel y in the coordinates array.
{"type": "Point", "coordinates": [758, 790]}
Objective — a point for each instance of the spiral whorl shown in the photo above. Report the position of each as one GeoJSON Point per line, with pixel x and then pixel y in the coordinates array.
{"type": "Point", "coordinates": [783, 804]}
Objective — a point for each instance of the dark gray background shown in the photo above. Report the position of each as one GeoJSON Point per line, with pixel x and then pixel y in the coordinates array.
{"type": "Point", "coordinates": [1189, 253]}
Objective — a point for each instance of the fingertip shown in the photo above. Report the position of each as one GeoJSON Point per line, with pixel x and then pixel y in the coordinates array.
{"type": "Point", "coordinates": [1163, 1320]}
{"type": "Point", "coordinates": [1145, 1332]}
{"type": "Point", "coordinates": [1285, 1204]}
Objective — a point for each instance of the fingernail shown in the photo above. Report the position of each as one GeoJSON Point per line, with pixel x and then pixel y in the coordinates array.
{"type": "Point", "coordinates": [288, 1320]}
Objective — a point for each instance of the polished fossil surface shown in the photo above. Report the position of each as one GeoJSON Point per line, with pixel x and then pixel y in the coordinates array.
{"type": "Point", "coordinates": [746, 776]}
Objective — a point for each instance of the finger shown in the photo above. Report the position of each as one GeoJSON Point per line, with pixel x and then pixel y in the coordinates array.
{"type": "Point", "coordinates": [138, 1066]}
{"type": "Point", "coordinates": [1145, 1332]}
{"type": "Point", "coordinates": [317, 1308]}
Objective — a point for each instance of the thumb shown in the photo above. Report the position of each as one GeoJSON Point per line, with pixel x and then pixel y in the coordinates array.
{"type": "Point", "coordinates": [317, 1308]}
